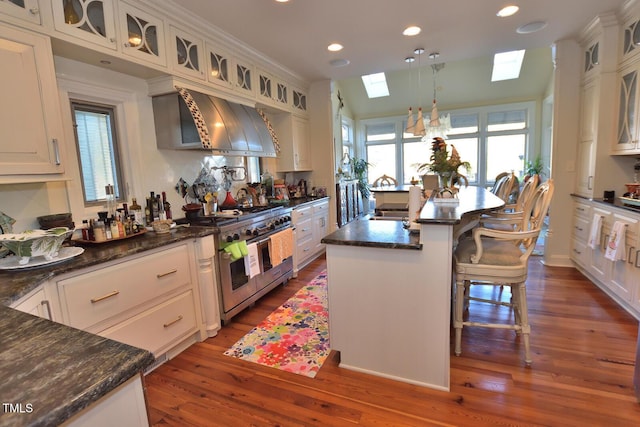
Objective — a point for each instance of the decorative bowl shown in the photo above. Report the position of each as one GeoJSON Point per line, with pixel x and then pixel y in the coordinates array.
{"type": "Point", "coordinates": [162, 226]}
{"type": "Point", "coordinates": [32, 243]}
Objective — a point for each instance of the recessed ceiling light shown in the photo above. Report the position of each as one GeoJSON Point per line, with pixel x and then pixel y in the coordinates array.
{"type": "Point", "coordinates": [339, 62]}
{"type": "Point", "coordinates": [412, 31]}
{"type": "Point", "coordinates": [335, 47]}
{"type": "Point", "coordinates": [507, 11]}
{"type": "Point", "coordinates": [531, 27]}
{"type": "Point", "coordinates": [282, 1]}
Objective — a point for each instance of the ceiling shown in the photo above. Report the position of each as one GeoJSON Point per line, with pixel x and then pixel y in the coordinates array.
{"type": "Point", "coordinates": [296, 35]}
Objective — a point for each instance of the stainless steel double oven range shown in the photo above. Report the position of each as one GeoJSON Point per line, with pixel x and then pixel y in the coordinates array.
{"type": "Point", "coordinates": [254, 225]}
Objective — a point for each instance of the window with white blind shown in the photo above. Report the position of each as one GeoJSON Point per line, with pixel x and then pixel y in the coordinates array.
{"type": "Point", "coordinates": [97, 147]}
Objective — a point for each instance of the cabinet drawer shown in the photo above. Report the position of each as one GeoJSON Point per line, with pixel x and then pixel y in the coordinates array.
{"type": "Point", "coordinates": [300, 214]}
{"type": "Point", "coordinates": [159, 327]}
{"type": "Point", "coordinates": [320, 208]}
{"type": "Point", "coordinates": [579, 252]}
{"type": "Point", "coordinates": [93, 297]}
{"type": "Point", "coordinates": [305, 248]}
{"type": "Point", "coordinates": [581, 210]}
{"type": "Point", "coordinates": [304, 229]}
{"type": "Point", "coordinates": [581, 228]}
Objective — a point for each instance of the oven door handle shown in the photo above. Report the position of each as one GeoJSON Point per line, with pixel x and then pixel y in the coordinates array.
{"type": "Point", "coordinates": [259, 242]}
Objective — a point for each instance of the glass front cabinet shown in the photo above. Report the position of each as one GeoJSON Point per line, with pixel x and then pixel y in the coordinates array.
{"type": "Point", "coordinates": [89, 20]}
{"type": "Point", "coordinates": [142, 35]}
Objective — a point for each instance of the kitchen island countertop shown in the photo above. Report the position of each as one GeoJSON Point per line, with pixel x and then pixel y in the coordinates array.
{"type": "Point", "coordinates": [51, 371]}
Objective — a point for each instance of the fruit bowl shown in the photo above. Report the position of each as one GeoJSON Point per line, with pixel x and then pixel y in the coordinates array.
{"type": "Point", "coordinates": [32, 243]}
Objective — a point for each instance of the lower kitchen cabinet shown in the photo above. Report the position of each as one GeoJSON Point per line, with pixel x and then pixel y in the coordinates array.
{"type": "Point", "coordinates": [124, 406]}
{"type": "Point", "coordinates": [310, 221]}
{"type": "Point", "coordinates": [150, 301]}
{"type": "Point", "coordinates": [38, 303]}
{"type": "Point", "coordinates": [619, 279]}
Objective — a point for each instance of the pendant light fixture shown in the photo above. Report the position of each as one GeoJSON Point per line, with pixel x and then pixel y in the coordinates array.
{"type": "Point", "coordinates": [438, 126]}
{"type": "Point", "coordinates": [410, 122]}
{"type": "Point", "coordinates": [419, 129]}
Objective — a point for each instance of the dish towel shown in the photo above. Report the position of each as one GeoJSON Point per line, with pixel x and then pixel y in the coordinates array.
{"type": "Point", "coordinates": [280, 246]}
{"type": "Point", "coordinates": [596, 229]}
{"type": "Point", "coordinates": [233, 249]}
{"type": "Point", "coordinates": [251, 264]}
{"type": "Point", "coordinates": [616, 248]}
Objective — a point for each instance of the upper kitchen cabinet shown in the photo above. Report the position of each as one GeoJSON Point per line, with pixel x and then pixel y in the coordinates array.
{"type": "Point", "coordinates": [142, 35]}
{"type": "Point", "coordinates": [293, 134]}
{"type": "Point", "coordinates": [88, 20]}
{"type": "Point", "coordinates": [25, 10]}
{"type": "Point", "coordinates": [30, 121]}
{"type": "Point", "coordinates": [244, 77]}
{"type": "Point", "coordinates": [187, 54]}
{"type": "Point", "coordinates": [273, 91]}
{"type": "Point", "coordinates": [220, 66]}
{"type": "Point", "coordinates": [299, 101]}
{"type": "Point", "coordinates": [627, 126]}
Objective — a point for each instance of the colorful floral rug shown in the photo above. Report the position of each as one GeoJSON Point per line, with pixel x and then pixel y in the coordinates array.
{"type": "Point", "coordinates": [295, 337]}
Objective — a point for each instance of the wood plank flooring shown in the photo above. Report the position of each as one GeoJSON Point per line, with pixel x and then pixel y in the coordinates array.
{"type": "Point", "coordinates": [582, 374]}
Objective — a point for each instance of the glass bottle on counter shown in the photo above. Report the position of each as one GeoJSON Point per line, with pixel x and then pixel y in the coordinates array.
{"type": "Point", "coordinates": [99, 231]}
{"type": "Point", "coordinates": [111, 199]}
{"type": "Point", "coordinates": [138, 213]}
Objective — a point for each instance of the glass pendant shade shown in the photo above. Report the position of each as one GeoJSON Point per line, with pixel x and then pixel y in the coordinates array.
{"type": "Point", "coordinates": [410, 122]}
{"type": "Point", "coordinates": [419, 129]}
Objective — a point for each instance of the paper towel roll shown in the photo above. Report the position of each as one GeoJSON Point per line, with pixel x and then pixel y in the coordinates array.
{"type": "Point", "coordinates": [415, 202]}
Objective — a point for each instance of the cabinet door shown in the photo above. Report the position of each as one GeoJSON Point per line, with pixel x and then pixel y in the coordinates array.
{"type": "Point", "coordinates": [142, 35]}
{"type": "Point", "coordinates": [30, 122]}
{"type": "Point", "coordinates": [301, 149]}
{"type": "Point", "coordinates": [266, 87]}
{"type": "Point", "coordinates": [244, 77]}
{"type": "Point", "coordinates": [187, 54]}
{"type": "Point", "coordinates": [88, 20]}
{"type": "Point", "coordinates": [623, 271]}
{"type": "Point", "coordinates": [627, 128]}
{"type": "Point", "coordinates": [299, 101]}
{"type": "Point", "coordinates": [219, 67]}
{"type": "Point", "coordinates": [37, 304]}
{"type": "Point", "coordinates": [26, 10]}
{"type": "Point", "coordinates": [585, 168]}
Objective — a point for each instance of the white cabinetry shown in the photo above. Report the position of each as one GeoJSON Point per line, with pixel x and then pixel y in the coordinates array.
{"type": "Point", "coordinates": [293, 134]}
{"type": "Point", "coordinates": [124, 406]}
{"type": "Point", "coordinates": [150, 301]}
{"type": "Point", "coordinates": [88, 20]}
{"type": "Point", "coordinates": [580, 233]}
{"type": "Point", "coordinates": [619, 279]}
{"type": "Point", "coordinates": [30, 121]}
{"type": "Point", "coordinates": [310, 222]}
{"type": "Point", "coordinates": [25, 10]}
{"type": "Point", "coordinates": [142, 35]}
{"type": "Point", "coordinates": [37, 303]}
{"type": "Point", "coordinates": [587, 142]}
{"type": "Point", "coordinates": [186, 53]}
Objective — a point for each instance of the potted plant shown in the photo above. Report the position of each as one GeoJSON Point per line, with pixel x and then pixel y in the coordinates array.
{"type": "Point", "coordinates": [535, 167]}
{"type": "Point", "coordinates": [445, 164]}
{"type": "Point", "coordinates": [359, 171]}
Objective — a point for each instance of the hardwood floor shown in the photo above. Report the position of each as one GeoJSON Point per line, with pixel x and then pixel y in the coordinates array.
{"type": "Point", "coordinates": [583, 359]}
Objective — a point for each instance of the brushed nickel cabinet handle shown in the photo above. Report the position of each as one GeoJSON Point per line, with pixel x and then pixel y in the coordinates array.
{"type": "Point", "coordinates": [56, 151]}
{"type": "Point", "coordinates": [104, 297]}
{"type": "Point", "coordinates": [176, 320]}
{"type": "Point", "coordinates": [161, 275]}
{"type": "Point", "coordinates": [631, 249]}
{"type": "Point", "coordinates": [48, 307]}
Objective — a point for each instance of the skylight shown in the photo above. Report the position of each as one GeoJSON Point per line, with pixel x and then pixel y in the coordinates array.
{"type": "Point", "coordinates": [376, 85]}
{"type": "Point", "coordinates": [506, 65]}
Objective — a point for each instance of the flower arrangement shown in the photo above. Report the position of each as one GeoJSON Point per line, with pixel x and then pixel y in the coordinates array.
{"type": "Point", "coordinates": [444, 163]}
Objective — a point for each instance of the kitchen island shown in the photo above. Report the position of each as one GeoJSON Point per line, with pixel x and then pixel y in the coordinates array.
{"type": "Point", "coordinates": [390, 291]}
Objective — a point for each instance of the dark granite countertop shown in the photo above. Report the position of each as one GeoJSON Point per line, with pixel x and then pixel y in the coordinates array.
{"type": "Point", "coordinates": [616, 204]}
{"type": "Point", "coordinates": [295, 203]}
{"type": "Point", "coordinates": [472, 200]}
{"type": "Point", "coordinates": [58, 370]}
{"type": "Point", "coordinates": [391, 234]}
{"type": "Point", "coordinates": [374, 233]}
{"type": "Point", "coordinates": [14, 284]}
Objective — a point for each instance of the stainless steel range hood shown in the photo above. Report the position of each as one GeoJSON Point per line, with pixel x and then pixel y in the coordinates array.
{"type": "Point", "coordinates": [192, 120]}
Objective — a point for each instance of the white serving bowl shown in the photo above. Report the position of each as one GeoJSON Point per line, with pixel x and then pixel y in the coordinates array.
{"type": "Point", "coordinates": [32, 243]}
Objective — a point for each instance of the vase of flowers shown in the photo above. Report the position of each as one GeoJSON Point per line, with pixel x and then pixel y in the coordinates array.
{"type": "Point", "coordinates": [446, 165]}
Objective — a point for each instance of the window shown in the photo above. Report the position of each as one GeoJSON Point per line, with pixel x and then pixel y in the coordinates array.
{"type": "Point", "coordinates": [493, 139]}
{"type": "Point", "coordinates": [97, 147]}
